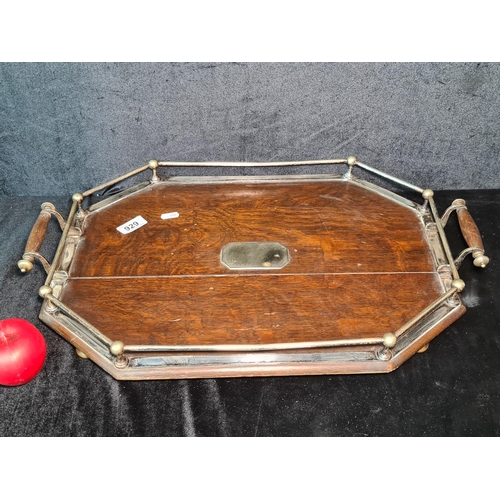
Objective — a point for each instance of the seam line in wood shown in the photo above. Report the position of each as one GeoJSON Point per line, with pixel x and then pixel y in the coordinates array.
{"type": "Point", "coordinates": [229, 275]}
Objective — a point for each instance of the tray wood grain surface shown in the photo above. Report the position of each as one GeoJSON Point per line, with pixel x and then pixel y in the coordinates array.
{"type": "Point", "coordinates": [360, 265]}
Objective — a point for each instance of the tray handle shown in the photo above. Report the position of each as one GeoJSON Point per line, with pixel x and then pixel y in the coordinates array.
{"type": "Point", "coordinates": [470, 233]}
{"type": "Point", "coordinates": [36, 237]}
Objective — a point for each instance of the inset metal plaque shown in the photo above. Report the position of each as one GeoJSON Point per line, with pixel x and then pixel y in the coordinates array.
{"type": "Point", "coordinates": [253, 255]}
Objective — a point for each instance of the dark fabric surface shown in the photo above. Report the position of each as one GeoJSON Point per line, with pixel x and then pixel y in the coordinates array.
{"type": "Point", "coordinates": [67, 127]}
{"type": "Point", "coordinates": [451, 390]}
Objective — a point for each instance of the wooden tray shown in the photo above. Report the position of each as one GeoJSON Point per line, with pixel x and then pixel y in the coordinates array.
{"type": "Point", "coordinates": [189, 277]}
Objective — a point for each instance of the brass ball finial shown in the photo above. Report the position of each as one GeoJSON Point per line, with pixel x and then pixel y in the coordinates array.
{"type": "Point", "coordinates": [427, 193]}
{"type": "Point", "coordinates": [153, 163]}
{"type": "Point", "coordinates": [44, 290]}
{"type": "Point", "coordinates": [390, 340]}
{"type": "Point", "coordinates": [351, 161]}
{"type": "Point", "coordinates": [458, 284]}
{"type": "Point", "coordinates": [78, 197]}
{"type": "Point", "coordinates": [481, 261]}
{"type": "Point", "coordinates": [25, 265]}
{"type": "Point", "coordinates": [116, 347]}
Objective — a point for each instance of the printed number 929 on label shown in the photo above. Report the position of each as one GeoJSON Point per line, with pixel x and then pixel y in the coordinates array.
{"type": "Point", "coordinates": [132, 225]}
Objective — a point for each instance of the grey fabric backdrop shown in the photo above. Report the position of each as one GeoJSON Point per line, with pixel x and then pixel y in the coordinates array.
{"type": "Point", "coordinates": [68, 127]}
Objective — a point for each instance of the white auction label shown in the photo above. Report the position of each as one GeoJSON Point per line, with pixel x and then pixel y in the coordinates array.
{"type": "Point", "coordinates": [170, 215]}
{"type": "Point", "coordinates": [132, 225]}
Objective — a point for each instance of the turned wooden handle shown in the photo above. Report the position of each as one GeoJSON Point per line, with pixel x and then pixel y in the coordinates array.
{"type": "Point", "coordinates": [36, 237]}
{"type": "Point", "coordinates": [39, 230]}
{"type": "Point", "coordinates": [471, 233]}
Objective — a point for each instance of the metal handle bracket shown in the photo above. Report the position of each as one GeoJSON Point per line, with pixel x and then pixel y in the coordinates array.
{"type": "Point", "coordinates": [470, 233]}
{"type": "Point", "coordinates": [36, 237]}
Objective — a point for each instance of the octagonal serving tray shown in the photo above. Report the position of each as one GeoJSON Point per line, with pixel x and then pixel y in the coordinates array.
{"type": "Point", "coordinates": [202, 277]}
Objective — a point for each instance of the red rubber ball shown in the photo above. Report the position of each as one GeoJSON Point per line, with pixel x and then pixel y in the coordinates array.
{"type": "Point", "coordinates": [22, 351]}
